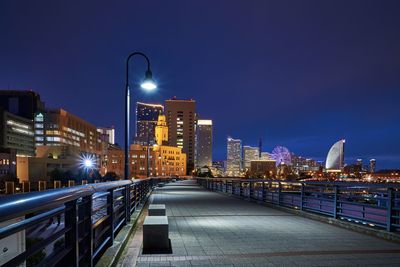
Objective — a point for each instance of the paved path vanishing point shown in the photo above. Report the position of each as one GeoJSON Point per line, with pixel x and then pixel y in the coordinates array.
{"type": "Point", "coordinates": [212, 229]}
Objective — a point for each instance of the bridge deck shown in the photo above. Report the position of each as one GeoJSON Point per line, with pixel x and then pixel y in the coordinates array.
{"type": "Point", "coordinates": [211, 229]}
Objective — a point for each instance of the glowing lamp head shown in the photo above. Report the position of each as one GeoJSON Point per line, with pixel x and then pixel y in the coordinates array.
{"type": "Point", "coordinates": [148, 83]}
{"type": "Point", "coordinates": [88, 163]}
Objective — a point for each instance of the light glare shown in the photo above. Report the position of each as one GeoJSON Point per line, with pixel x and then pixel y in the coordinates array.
{"type": "Point", "coordinates": [148, 85]}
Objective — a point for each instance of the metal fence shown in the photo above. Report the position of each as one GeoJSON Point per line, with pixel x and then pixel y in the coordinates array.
{"type": "Point", "coordinates": [373, 205]}
{"type": "Point", "coordinates": [70, 226]}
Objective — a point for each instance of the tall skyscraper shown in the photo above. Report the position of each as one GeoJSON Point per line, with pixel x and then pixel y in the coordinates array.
{"type": "Point", "coordinates": [181, 116]}
{"type": "Point", "coordinates": [204, 143]}
{"type": "Point", "coordinates": [146, 121]}
{"type": "Point", "coordinates": [372, 165]}
{"type": "Point", "coordinates": [249, 154]}
{"type": "Point", "coordinates": [234, 157]}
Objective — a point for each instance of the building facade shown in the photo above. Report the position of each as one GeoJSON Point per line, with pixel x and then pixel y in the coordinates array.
{"type": "Point", "coordinates": [107, 134]}
{"type": "Point", "coordinates": [115, 160]}
{"type": "Point", "coordinates": [181, 117]}
{"type": "Point", "coordinates": [372, 165]}
{"type": "Point", "coordinates": [146, 121]}
{"type": "Point", "coordinates": [204, 139]}
{"type": "Point", "coordinates": [234, 157]}
{"type": "Point", "coordinates": [160, 161]}
{"type": "Point", "coordinates": [17, 133]}
{"type": "Point", "coordinates": [249, 154]}
{"type": "Point", "coordinates": [57, 127]}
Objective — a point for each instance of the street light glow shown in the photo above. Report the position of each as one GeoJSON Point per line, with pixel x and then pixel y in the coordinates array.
{"type": "Point", "coordinates": [148, 84]}
{"type": "Point", "coordinates": [88, 163]}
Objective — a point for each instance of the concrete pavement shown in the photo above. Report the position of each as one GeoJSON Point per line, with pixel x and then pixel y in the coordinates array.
{"type": "Point", "coordinates": [212, 229]}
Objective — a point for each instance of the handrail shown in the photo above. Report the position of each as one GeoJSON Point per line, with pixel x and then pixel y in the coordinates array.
{"type": "Point", "coordinates": [376, 205]}
{"type": "Point", "coordinates": [89, 223]}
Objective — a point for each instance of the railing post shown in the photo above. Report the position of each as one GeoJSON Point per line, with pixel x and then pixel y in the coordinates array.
{"type": "Point", "coordinates": [226, 186]}
{"type": "Point", "coordinates": [302, 196]}
{"type": "Point", "coordinates": [110, 211]}
{"type": "Point", "coordinates": [335, 199]}
{"type": "Point", "coordinates": [389, 209]}
{"type": "Point", "coordinates": [71, 237]}
{"type": "Point", "coordinates": [263, 195]}
{"type": "Point", "coordinates": [279, 193]}
{"type": "Point", "coordinates": [240, 188]}
{"type": "Point", "coordinates": [251, 190]}
{"type": "Point", "coordinates": [88, 259]}
{"type": "Point", "coordinates": [127, 203]}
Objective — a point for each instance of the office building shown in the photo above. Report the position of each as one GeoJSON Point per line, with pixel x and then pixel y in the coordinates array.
{"type": "Point", "coordinates": [265, 156]}
{"type": "Point", "coordinates": [181, 117]}
{"type": "Point", "coordinates": [234, 157]}
{"type": "Point", "coordinates": [16, 133]}
{"type": "Point", "coordinates": [146, 121]}
{"type": "Point", "coordinates": [115, 160]}
{"type": "Point", "coordinates": [249, 154]}
{"type": "Point", "coordinates": [204, 139]}
{"type": "Point", "coordinates": [21, 103]}
{"type": "Point", "coordinates": [57, 127]}
{"type": "Point", "coordinates": [372, 165]}
{"type": "Point", "coordinates": [107, 134]}
{"type": "Point", "coordinates": [160, 161]}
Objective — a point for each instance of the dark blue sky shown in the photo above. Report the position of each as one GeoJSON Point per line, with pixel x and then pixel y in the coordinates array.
{"type": "Point", "coordinates": [302, 74]}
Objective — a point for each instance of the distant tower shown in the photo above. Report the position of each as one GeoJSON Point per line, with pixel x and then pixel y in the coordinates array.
{"type": "Point", "coordinates": [372, 164]}
{"type": "Point", "coordinates": [203, 143]}
{"type": "Point", "coordinates": [234, 157]}
{"type": "Point", "coordinates": [260, 148]}
{"type": "Point", "coordinates": [161, 130]}
{"type": "Point", "coordinates": [335, 158]}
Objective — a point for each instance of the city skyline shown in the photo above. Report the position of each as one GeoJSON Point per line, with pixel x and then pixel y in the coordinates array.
{"type": "Point", "coordinates": [281, 90]}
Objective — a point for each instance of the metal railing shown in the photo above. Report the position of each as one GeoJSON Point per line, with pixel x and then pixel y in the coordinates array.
{"type": "Point", "coordinates": [70, 226]}
{"type": "Point", "coordinates": [374, 205]}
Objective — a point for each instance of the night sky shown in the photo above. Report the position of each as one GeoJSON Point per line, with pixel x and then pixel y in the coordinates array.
{"type": "Point", "coordinates": [302, 74]}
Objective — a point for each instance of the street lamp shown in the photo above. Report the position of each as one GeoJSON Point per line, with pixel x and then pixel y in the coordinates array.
{"type": "Point", "coordinates": [147, 84]}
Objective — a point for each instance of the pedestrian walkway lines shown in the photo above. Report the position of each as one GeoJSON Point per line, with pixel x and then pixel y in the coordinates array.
{"type": "Point", "coordinates": [267, 254]}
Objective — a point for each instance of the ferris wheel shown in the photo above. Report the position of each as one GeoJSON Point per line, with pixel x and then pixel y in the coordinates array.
{"type": "Point", "coordinates": [281, 155]}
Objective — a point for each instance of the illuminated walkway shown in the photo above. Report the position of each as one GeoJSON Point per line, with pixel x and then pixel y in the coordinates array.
{"type": "Point", "coordinates": [212, 229]}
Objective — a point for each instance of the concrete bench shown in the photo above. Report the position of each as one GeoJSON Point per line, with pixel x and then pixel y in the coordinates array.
{"type": "Point", "coordinates": [157, 210]}
{"type": "Point", "coordinates": [156, 235]}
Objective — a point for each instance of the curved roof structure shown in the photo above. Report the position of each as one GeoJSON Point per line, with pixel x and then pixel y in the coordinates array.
{"type": "Point", "coordinates": [335, 157]}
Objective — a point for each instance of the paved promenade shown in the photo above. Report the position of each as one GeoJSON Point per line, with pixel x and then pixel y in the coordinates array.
{"type": "Point", "coordinates": [212, 229]}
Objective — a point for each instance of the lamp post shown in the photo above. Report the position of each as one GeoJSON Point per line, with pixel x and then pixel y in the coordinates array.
{"type": "Point", "coordinates": [147, 84]}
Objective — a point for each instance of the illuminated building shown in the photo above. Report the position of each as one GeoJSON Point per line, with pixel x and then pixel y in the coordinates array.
{"type": "Point", "coordinates": [115, 160]}
{"type": "Point", "coordinates": [262, 169]}
{"type": "Point", "coordinates": [265, 156]}
{"type": "Point", "coordinates": [181, 118]}
{"type": "Point", "coordinates": [161, 131]}
{"type": "Point", "coordinates": [146, 121]}
{"type": "Point", "coordinates": [107, 134]}
{"type": "Point", "coordinates": [234, 157]}
{"type": "Point", "coordinates": [57, 127]}
{"type": "Point", "coordinates": [204, 139]}
{"type": "Point", "coordinates": [335, 157]}
{"type": "Point", "coordinates": [16, 133]}
{"type": "Point", "coordinates": [249, 154]}
{"type": "Point", "coordinates": [372, 165]}
{"type": "Point", "coordinates": [160, 161]}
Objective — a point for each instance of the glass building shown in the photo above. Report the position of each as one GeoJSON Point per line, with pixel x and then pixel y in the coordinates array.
{"type": "Point", "coordinates": [146, 122]}
{"type": "Point", "coordinates": [335, 157]}
{"type": "Point", "coordinates": [250, 153]}
{"type": "Point", "coordinates": [204, 143]}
